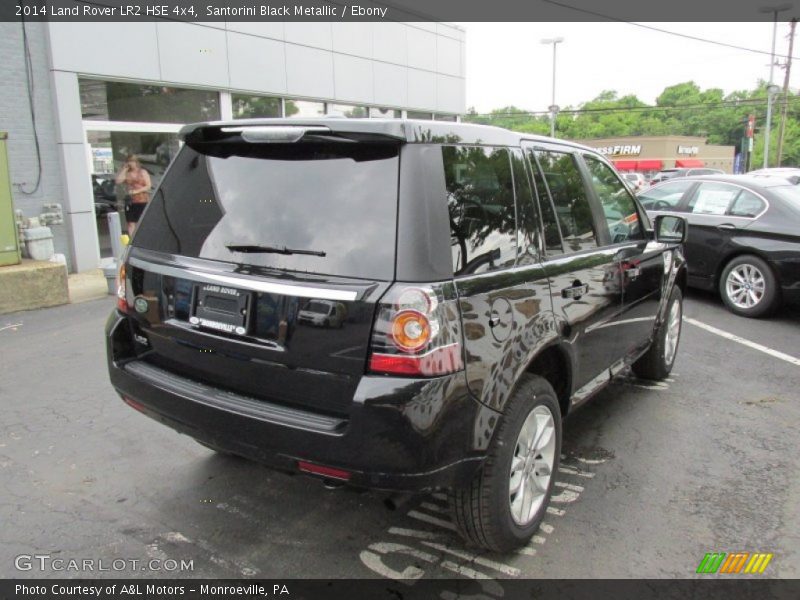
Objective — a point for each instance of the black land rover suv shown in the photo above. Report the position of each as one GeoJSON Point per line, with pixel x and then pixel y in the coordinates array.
{"type": "Point", "coordinates": [486, 284]}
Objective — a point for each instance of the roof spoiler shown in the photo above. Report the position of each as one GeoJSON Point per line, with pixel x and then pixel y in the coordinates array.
{"type": "Point", "coordinates": [284, 131]}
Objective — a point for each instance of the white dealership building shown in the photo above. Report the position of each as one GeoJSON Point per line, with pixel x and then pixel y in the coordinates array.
{"type": "Point", "coordinates": [99, 91]}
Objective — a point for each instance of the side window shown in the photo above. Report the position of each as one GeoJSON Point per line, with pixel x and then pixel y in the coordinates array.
{"type": "Point", "coordinates": [480, 200]}
{"type": "Point", "coordinates": [712, 198]}
{"type": "Point", "coordinates": [573, 211]}
{"type": "Point", "coordinates": [619, 208]}
{"type": "Point", "coordinates": [747, 204]}
{"type": "Point", "coordinates": [666, 196]}
{"type": "Point", "coordinates": [552, 233]}
{"type": "Point", "coordinates": [528, 244]}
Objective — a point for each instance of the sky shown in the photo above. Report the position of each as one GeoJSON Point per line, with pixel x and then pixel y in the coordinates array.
{"type": "Point", "coordinates": [506, 64]}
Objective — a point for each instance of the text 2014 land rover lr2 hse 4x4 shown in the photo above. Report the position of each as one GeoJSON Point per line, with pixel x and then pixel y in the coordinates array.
{"type": "Point", "coordinates": [478, 284]}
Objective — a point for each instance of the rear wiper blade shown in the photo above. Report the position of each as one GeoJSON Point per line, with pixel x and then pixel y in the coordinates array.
{"type": "Point", "coordinates": [256, 249]}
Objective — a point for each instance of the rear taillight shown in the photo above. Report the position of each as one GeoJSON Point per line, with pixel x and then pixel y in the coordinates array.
{"type": "Point", "coordinates": [417, 332]}
{"type": "Point", "coordinates": [122, 301]}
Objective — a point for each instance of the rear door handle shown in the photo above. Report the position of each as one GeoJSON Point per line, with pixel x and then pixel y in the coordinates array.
{"type": "Point", "coordinates": [726, 227]}
{"type": "Point", "coordinates": [575, 291]}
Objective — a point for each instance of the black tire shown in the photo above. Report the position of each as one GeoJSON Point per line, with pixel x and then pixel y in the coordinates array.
{"type": "Point", "coordinates": [771, 295]}
{"type": "Point", "coordinates": [654, 364]}
{"type": "Point", "coordinates": [481, 511]}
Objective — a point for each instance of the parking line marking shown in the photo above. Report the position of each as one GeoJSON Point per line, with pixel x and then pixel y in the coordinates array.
{"type": "Point", "coordinates": [414, 514]}
{"type": "Point", "coordinates": [744, 342]}
{"type": "Point", "coordinates": [414, 533]}
{"type": "Point", "coordinates": [551, 510]}
{"type": "Point", "coordinates": [11, 326]}
{"type": "Point", "coordinates": [433, 507]}
{"type": "Point", "coordinates": [474, 558]}
{"type": "Point", "coordinates": [571, 471]}
{"type": "Point", "coordinates": [569, 486]}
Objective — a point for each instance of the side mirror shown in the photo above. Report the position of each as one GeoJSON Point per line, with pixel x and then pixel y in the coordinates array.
{"type": "Point", "coordinates": [671, 229]}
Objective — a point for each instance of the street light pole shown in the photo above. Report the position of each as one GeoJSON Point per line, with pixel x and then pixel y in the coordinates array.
{"type": "Point", "coordinates": [553, 107]}
{"type": "Point", "coordinates": [774, 10]}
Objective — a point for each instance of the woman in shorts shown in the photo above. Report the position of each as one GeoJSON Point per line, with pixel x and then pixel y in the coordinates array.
{"type": "Point", "coordinates": [137, 183]}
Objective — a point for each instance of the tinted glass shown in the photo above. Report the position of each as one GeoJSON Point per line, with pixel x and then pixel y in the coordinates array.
{"type": "Point", "coordinates": [249, 107]}
{"type": "Point", "coordinates": [747, 204]}
{"type": "Point", "coordinates": [336, 199]}
{"type": "Point", "coordinates": [619, 208]}
{"type": "Point", "coordinates": [528, 230]}
{"type": "Point", "coordinates": [385, 113]}
{"type": "Point", "coordinates": [348, 110]}
{"type": "Point", "coordinates": [480, 199]}
{"type": "Point", "coordinates": [569, 198]}
{"type": "Point", "coordinates": [552, 234]}
{"type": "Point", "coordinates": [304, 108]}
{"type": "Point", "coordinates": [666, 196]}
{"type": "Point", "coordinates": [116, 101]}
{"type": "Point", "coordinates": [713, 198]}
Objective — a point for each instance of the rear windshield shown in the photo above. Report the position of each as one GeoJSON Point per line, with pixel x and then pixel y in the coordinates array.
{"type": "Point", "coordinates": [336, 200]}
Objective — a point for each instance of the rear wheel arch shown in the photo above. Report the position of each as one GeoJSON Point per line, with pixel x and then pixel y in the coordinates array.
{"type": "Point", "coordinates": [554, 364]}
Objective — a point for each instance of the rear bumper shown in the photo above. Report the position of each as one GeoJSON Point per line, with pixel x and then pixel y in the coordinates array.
{"type": "Point", "coordinates": [402, 434]}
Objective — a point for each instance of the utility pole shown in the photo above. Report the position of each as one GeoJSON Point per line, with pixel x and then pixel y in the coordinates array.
{"type": "Point", "coordinates": [785, 105]}
{"type": "Point", "coordinates": [771, 89]}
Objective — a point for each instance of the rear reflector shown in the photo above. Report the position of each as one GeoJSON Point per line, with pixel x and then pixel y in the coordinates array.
{"type": "Point", "coordinates": [438, 361]}
{"type": "Point", "coordinates": [322, 470]}
{"type": "Point", "coordinates": [133, 404]}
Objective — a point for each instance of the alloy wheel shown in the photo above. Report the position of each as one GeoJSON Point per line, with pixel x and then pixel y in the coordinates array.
{"type": "Point", "coordinates": [532, 465]}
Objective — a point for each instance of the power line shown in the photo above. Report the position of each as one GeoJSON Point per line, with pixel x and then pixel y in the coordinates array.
{"type": "Point", "coordinates": [747, 103]}
{"type": "Point", "coordinates": [668, 32]}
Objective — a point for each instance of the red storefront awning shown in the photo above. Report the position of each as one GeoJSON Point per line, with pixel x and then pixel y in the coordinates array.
{"type": "Point", "coordinates": [649, 165]}
{"type": "Point", "coordinates": [625, 165]}
{"type": "Point", "coordinates": [689, 163]}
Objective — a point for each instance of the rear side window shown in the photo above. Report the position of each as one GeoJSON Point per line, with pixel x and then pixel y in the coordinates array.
{"type": "Point", "coordinates": [747, 204]}
{"type": "Point", "coordinates": [552, 234]}
{"type": "Point", "coordinates": [571, 203]}
{"type": "Point", "coordinates": [480, 200]}
{"type": "Point", "coordinates": [336, 201]}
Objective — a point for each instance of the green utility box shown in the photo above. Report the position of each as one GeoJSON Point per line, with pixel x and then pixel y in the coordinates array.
{"type": "Point", "coordinates": [9, 242]}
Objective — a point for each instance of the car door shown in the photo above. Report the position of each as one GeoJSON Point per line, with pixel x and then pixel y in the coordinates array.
{"type": "Point", "coordinates": [579, 263]}
{"type": "Point", "coordinates": [640, 258]}
{"type": "Point", "coordinates": [716, 212]}
{"type": "Point", "coordinates": [503, 299]}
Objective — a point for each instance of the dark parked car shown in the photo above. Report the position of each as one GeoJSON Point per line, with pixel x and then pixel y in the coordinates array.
{"type": "Point", "coordinates": [665, 174]}
{"type": "Point", "coordinates": [489, 283]}
{"type": "Point", "coordinates": [744, 236]}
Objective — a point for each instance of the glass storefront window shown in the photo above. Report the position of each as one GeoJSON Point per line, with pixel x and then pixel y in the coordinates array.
{"type": "Point", "coordinates": [304, 108]}
{"type": "Point", "coordinates": [385, 113]}
{"type": "Point", "coordinates": [347, 110]}
{"type": "Point", "coordinates": [109, 149]}
{"type": "Point", "coordinates": [117, 101]}
{"type": "Point", "coordinates": [413, 114]}
{"type": "Point", "coordinates": [249, 107]}
{"type": "Point", "coordinates": [445, 118]}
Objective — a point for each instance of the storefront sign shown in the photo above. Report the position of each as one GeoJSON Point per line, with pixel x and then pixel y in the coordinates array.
{"type": "Point", "coordinates": [688, 150]}
{"type": "Point", "coordinates": [629, 150]}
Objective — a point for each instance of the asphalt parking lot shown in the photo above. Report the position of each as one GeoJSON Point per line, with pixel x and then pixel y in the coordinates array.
{"type": "Point", "coordinates": [653, 475]}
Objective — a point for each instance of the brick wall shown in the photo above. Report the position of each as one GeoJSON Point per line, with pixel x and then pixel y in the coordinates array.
{"type": "Point", "coordinates": [15, 118]}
